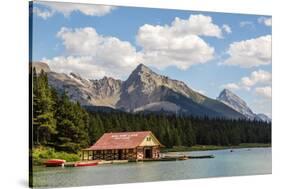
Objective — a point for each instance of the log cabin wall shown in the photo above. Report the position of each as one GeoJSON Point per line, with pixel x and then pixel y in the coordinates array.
{"type": "Point", "coordinates": [125, 146]}
{"type": "Point", "coordinates": [140, 154]}
{"type": "Point", "coordinates": [117, 154]}
{"type": "Point", "coordinates": [156, 152]}
{"type": "Point", "coordinates": [125, 154]}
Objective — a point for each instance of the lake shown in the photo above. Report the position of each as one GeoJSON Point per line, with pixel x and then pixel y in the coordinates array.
{"type": "Point", "coordinates": [240, 162]}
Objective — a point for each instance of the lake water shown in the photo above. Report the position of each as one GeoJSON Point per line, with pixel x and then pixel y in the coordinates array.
{"type": "Point", "coordinates": [226, 163]}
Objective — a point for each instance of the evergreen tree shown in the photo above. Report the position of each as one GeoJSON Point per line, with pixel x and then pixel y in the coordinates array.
{"type": "Point", "coordinates": [65, 125]}
{"type": "Point", "coordinates": [44, 123]}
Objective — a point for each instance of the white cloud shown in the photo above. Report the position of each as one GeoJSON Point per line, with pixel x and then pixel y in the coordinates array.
{"type": "Point", "coordinates": [195, 24]}
{"type": "Point", "coordinates": [67, 8]}
{"type": "Point", "coordinates": [246, 24]}
{"type": "Point", "coordinates": [93, 55]}
{"type": "Point", "coordinates": [257, 78]}
{"type": "Point", "coordinates": [226, 28]}
{"type": "Point", "coordinates": [178, 44]}
{"type": "Point", "coordinates": [231, 86]}
{"type": "Point", "coordinates": [265, 20]}
{"type": "Point", "coordinates": [264, 91]}
{"type": "Point", "coordinates": [250, 53]}
{"type": "Point", "coordinates": [257, 85]}
{"type": "Point", "coordinates": [43, 13]}
{"type": "Point", "coordinates": [84, 65]}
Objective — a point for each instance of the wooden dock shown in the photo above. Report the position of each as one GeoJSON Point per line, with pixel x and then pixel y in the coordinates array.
{"type": "Point", "coordinates": [184, 157]}
{"type": "Point", "coordinates": [165, 158]}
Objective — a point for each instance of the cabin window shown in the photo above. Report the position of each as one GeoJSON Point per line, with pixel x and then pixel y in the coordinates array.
{"type": "Point", "coordinates": [98, 151]}
{"type": "Point", "coordinates": [131, 150]}
{"type": "Point", "coordinates": [148, 139]}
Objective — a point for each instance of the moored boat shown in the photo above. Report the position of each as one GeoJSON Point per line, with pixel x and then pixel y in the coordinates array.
{"type": "Point", "coordinates": [54, 162]}
{"type": "Point", "coordinates": [183, 158]}
{"type": "Point", "coordinates": [201, 157]}
{"type": "Point", "coordinates": [86, 163]}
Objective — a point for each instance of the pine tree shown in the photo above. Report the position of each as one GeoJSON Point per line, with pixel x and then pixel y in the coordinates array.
{"type": "Point", "coordinates": [44, 123]}
{"type": "Point", "coordinates": [66, 125]}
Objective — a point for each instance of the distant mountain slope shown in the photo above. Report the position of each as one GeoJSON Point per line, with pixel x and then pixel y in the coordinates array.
{"type": "Point", "coordinates": [103, 92]}
{"type": "Point", "coordinates": [144, 87]}
{"type": "Point", "coordinates": [39, 66]}
{"type": "Point", "coordinates": [264, 117]}
{"type": "Point", "coordinates": [144, 90]}
{"type": "Point", "coordinates": [235, 102]}
{"type": "Point", "coordinates": [232, 100]}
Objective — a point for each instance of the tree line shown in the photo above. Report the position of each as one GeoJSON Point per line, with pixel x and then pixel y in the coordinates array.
{"type": "Point", "coordinates": [172, 130]}
{"type": "Point", "coordinates": [65, 125]}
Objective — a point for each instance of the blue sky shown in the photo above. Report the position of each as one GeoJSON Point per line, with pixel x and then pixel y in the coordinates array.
{"type": "Point", "coordinates": [208, 51]}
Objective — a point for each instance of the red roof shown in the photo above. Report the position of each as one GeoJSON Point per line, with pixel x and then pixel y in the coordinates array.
{"type": "Point", "coordinates": [122, 140]}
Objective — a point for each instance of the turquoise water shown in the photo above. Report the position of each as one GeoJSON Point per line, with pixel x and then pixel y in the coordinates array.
{"type": "Point", "coordinates": [226, 163]}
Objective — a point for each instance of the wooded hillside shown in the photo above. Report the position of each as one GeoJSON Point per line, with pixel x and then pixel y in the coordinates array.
{"type": "Point", "coordinates": [67, 126]}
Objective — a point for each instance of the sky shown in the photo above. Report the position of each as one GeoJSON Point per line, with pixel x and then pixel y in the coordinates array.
{"type": "Point", "coordinates": [208, 51]}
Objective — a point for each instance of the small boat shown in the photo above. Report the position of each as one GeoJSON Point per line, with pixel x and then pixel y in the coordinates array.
{"type": "Point", "coordinates": [54, 162]}
{"type": "Point", "coordinates": [173, 158]}
{"type": "Point", "coordinates": [183, 158]}
{"type": "Point", "coordinates": [201, 157]}
{"type": "Point", "coordinates": [167, 159]}
{"type": "Point", "coordinates": [69, 164]}
{"type": "Point", "coordinates": [85, 164]}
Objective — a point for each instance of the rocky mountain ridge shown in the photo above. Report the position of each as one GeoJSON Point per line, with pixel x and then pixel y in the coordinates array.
{"type": "Point", "coordinates": [144, 90]}
{"type": "Point", "coordinates": [232, 100]}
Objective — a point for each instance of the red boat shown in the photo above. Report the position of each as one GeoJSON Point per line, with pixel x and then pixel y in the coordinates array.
{"type": "Point", "coordinates": [84, 164]}
{"type": "Point", "coordinates": [54, 162]}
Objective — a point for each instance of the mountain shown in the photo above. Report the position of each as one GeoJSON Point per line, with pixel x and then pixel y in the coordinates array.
{"type": "Point", "coordinates": [232, 100]}
{"type": "Point", "coordinates": [145, 86]}
{"type": "Point", "coordinates": [264, 117]}
{"type": "Point", "coordinates": [103, 92]}
{"type": "Point", "coordinates": [143, 91]}
{"type": "Point", "coordinates": [39, 66]}
{"type": "Point", "coordinates": [235, 102]}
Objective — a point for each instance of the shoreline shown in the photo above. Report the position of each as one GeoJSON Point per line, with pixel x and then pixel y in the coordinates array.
{"type": "Point", "coordinates": [214, 147]}
{"type": "Point", "coordinates": [39, 162]}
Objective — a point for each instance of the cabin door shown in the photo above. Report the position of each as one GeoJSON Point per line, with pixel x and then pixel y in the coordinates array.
{"type": "Point", "coordinates": [148, 153]}
{"type": "Point", "coordinates": [119, 154]}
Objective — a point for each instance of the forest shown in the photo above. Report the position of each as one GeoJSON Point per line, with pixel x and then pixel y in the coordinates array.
{"type": "Point", "coordinates": [59, 123]}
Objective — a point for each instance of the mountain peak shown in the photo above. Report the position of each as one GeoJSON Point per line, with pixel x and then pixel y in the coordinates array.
{"type": "Point", "coordinates": [39, 66]}
{"type": "Point", "coordinates": [140, 74]}
{"type": "Point", "coordinates": [144, 90]}
{"type": "Point", "coordinates": [141, 68]}
{"type": "Point", "coordinates": [232, 100]}
{"type": "Point", "coordinates": [226, 91]}
{"type": "Point", "coordinates": [227, 95]}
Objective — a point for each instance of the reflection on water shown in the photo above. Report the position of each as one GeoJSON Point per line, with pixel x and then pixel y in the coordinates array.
{"type": "Point", "coordinates": [225, 163]}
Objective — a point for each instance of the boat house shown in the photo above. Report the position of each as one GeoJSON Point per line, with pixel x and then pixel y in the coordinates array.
{"type": "Point", "coordinates": [131, 146]}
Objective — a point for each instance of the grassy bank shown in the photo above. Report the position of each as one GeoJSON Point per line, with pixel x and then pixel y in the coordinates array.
{"type": "Point", "coordinates": [41, 154]}
{"type": "Point", "coordinates": [213, 147]}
